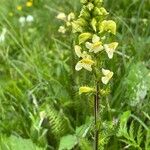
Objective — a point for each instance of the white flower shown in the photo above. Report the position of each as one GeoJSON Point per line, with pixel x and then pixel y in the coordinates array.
{"type": "Point", "coordinates": [2, 35]}
{"type": "Point", "coordinates": [61, 16]}
{"type": "Point", "coordinates": [107, 75]}
{"type": "Point", "coordinates": [62, 29]}
{"type": "Point", "coordinates": [29, 18]}
{"type": "Point", "coordinates": [86, 62]}
{"type": "Point", "coordinates": [95, 46]}
{"type": "Point", "coordinates": [110, 49]}
{"type": "Point", "coordinates": [22, 20]}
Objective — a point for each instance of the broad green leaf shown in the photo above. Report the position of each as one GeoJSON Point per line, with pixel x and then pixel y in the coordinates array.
{"type": "Point", "coordinates": [68, 142]}
{"type": "Point", "coordinates": [17, 143]}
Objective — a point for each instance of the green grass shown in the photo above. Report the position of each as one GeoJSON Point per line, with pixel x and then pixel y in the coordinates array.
{"type": "Point", "coordinates": [39, 87]}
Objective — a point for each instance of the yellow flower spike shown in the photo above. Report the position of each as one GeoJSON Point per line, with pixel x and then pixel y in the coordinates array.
{"type": "Point", "coordinates": [95, 46]}
{"type": "Point", "coordinates": [108, 25]}
{"type": "Point", "coordinates": [29, 3]}
{"type": "Point", "coordinates": [107, 76]}
{"type": "Point", "coordinates": [86, 89]}
{"type": "Point", "coordinates": [19, 7]}
{"type": "Point", "coordinates": [110, 49]}
{"type": "Point", "coordinates": [61, 16]}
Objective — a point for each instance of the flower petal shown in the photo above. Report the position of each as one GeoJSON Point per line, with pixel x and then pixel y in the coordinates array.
{"type": "Point", "coordinates": [77, 49]}
{"type": "Point", "coordinates": [105, 80]}
{"type": "Point", "coordinates": [78, 66]}
{"type": "Point", "coordinates": [95, 38]}
{"type": "Point", "coordinates": [105, 72]}
{"type": "Point", "coordinates": [87, 67]}
{"type": "Point", "coordinates": [88, 45]}
{"type": "Point", "coordinates": [61, 16]}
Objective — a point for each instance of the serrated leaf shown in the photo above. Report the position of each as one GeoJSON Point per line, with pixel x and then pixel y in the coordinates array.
{"type": "Point", "coordinates": [17, 143]}
{"type": "Point", "coordinates": [68, 142]}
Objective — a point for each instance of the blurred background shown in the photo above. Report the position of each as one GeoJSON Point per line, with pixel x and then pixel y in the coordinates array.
{"type": "Point", "coordinates": [39, 103]}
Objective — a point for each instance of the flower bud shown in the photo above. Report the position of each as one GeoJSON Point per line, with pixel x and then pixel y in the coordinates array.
{"type": "Point", "coordinates": [108, 25]}
{"type": "Point", "coordinates": [84, 37]}
{"type": "Point", "coordinates": [83, 1]}
{"type": "Point", "coordinates": [71, 16]}
{"type": "Point", "coordinates": [85, 89]}
{"type": "Point", "coordinates": [90, 6]}
{"type": "Point", "coordinates": [84, 12]}
{"type": "Point", "coordinates": [93, 24]}
{"type": "Point", "coordinates": [78, 25]}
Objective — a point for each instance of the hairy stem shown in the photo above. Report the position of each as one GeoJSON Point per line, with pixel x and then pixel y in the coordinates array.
{"type": "Point", "coordinates": [96, 112]}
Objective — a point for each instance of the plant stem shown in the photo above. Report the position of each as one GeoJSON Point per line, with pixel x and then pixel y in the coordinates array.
{"type": "Point", "coordinates": [96, 112]}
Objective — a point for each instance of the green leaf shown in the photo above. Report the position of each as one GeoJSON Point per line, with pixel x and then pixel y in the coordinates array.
{"type": "Point", "coordinates": [68, 142]}
{"type": "Point", "coordinates": [137, 84]}
{"type": "Point", "coordinates": [17, 143]}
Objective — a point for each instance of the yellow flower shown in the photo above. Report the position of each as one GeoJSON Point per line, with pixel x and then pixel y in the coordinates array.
{"type": "Point", "coordinates": [19, 7]}
{"type": "Point", "coordinates": [29, 4]}
{"type": "Point", "coordinates": [110, 49]}
{"type": "Point", "coordinates": [62, 29]}
{"type": "Point", "coordinates": [107, 75]}
{"type": "Point", "coordinates": [61, 16]}
{"type": "Point", "coordinates": [85, 89]}
{"type": "Point", "coordinates": [95, 46]}
{"type": "Point", "coordinates": [86, 62]}
{"type": "Point", "coordinates": [71, 16]}
{"type": "Point", "coordinates": [108, 25]}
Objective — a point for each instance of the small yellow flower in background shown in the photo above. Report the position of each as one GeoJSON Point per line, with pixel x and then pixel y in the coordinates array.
{"type": "Point", "coordinates": [86, 62]}
{"type": "Point", "coordinates": [19, 7]}
{"type": "Point", "coordinates": [95, 46]}
{"type": "Point", "coordinates": [110, 49]}
{"type": "Point", "coordinates": [62, 29]}
{"type": "Point", "coordinates": [85, 89]}
{"type": "Point", "coordinates": [107, 75]}
{"type": "Point", "coordinates": [108, 25]}
{"type": "Point", "coordinates": [61, 16]}
{"type": "Point", "coordinates": [29, 3]}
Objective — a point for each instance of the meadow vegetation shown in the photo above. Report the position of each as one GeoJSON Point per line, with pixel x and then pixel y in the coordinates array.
{"type": "Point", "coordinates": [40, 104]}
